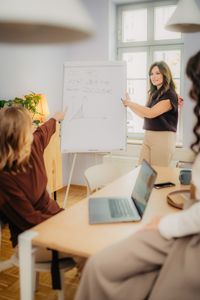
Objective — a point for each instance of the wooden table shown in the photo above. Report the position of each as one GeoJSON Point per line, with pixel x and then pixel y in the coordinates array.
{"type": "Point", "coordinates": [70, 232]}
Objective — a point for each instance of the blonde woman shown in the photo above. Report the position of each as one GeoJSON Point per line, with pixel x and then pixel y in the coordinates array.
{"type": "Point", "coordinates": [160, 116]}
{"type": "Point", "coordinates": [24, 200]}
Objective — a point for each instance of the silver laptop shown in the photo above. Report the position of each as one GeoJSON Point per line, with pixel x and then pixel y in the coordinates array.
{"type": "Point", "coordinates": [119, 209]}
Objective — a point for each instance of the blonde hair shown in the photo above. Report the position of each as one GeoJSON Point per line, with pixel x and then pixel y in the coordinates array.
{"type": "Point", "coordinates": [15, 138]}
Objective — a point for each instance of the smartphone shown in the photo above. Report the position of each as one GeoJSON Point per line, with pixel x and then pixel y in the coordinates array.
{"type": "Point", "coordinates": [162, 185]}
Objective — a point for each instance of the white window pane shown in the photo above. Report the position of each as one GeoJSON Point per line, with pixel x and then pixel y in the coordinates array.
{"type": "Point", "coordinates": [134, 123]}
{"type": "Point", "coordinates": [134, 25]}
{"type": "Point", "coordinates": [161, 16]}
{"type": "Point", "coordinates": [172, 58]}
{"type": "Point", "coordinates": [133, 28]}
{"type": "Point", "coordinates": [136, 64]}
{"type": "Point", "coordinates": [136, 86]}
{"type": "Point", "coordinates": [177, 83]}
{"type": "Point", "coordinates": [137, 90]}
{"type": "Point", "coordinates": [179, 135]}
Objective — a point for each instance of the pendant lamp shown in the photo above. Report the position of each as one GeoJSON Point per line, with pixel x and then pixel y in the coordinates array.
{"type": "Point", "coordinates": [186, 17]}
{"type": "Point", "coordinates": [43, 21]}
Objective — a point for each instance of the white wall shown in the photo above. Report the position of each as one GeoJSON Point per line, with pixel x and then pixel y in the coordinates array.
{"type": "Point", "coordinates": [96, 48]}
{"type": "Point", "coordinates": [39, 68]}
{"type": "Point", "coordinates": [25, 68]}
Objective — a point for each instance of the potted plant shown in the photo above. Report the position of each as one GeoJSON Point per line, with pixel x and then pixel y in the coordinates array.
{"type": "Point", "coordinates": [29, 101]}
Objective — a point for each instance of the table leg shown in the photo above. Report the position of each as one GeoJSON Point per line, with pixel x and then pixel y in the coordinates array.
{"type": "Point", "coordinates": [26, 265]}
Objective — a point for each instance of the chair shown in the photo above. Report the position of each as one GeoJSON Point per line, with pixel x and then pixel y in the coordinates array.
{"type": "Point", "coordinates": [100, 175]}
{"type": "Point", "coordinates": [64, 266]}
{"type": "Point", "coordinates": [184, 158]}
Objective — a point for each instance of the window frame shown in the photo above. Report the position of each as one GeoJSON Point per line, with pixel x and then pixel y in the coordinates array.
{"type": "Point", "coordinates": [150, 46]}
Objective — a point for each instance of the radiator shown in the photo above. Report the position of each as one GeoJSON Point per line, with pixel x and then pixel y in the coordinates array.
{"type": "Point", "coordinates": [181, 158]}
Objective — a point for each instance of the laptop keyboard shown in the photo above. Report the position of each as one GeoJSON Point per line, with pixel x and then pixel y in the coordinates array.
{"type": "Point", "coordinates": [119, 208]}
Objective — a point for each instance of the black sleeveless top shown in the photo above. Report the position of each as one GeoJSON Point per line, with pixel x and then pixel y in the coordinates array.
{"type": "Point", "coordinates": [168, 120]}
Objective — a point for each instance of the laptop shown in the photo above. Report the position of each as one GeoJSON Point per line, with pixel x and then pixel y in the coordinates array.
{"type": "Point", "coordinates": [124, 209]}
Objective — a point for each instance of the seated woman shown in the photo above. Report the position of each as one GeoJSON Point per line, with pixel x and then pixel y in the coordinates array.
{"type": "Point", "coordinates": [24, 200]}
{"type": "Point", "coordinates": [161, 262]}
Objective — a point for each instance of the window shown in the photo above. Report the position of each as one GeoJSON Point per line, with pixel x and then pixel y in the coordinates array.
{"type": "Point", "coordinates": [142, 40]}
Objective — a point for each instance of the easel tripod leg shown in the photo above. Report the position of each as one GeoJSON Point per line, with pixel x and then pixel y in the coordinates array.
{"type": "Point", "coordinates": [69, 181]}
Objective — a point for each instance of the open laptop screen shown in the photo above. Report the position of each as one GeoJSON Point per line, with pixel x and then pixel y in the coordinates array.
{"type": "Point", "coordinates": [143, 186]}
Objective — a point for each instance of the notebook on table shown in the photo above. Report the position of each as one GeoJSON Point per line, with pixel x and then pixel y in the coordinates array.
{"type": "Point", "coordinates": [124, 209]}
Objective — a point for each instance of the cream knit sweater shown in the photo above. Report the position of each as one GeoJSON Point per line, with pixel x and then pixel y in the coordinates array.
{"type": "Point", "coordinates": [187, 221]}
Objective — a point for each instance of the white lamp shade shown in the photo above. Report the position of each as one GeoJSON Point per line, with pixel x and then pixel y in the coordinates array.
{"type": "Point", "coordinates": [43, 21]}
{"type": "Point", "coordinates": [186, 17]}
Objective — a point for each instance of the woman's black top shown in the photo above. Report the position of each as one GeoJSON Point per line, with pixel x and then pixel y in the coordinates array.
{"type": "Point", "coordinates": [168, 120]}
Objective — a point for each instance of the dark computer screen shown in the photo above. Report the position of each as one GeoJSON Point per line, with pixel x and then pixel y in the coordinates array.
{"type": "Point", "coordinates": [143, 186]}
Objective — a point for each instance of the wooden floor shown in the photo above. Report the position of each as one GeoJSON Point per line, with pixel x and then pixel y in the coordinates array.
{"type": "Point", "coordinates": [9, 279]}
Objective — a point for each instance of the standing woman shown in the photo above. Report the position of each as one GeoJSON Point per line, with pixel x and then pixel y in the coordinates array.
{"type": "Point", "coordinates": [160, 116]}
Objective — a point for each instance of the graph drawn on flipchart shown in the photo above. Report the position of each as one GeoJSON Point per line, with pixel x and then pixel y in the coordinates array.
{"type": "Point", "coordinates": [96, 118]}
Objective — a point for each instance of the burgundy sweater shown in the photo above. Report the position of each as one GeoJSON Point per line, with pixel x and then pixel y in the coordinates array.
{"type": "Point", "coordinates": [24, 201]}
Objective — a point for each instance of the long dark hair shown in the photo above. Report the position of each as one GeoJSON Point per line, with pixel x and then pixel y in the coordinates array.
{"type": "Point", "coordinates": [193, 73]}
{"type": "Point", "coordinates": [168, 82]}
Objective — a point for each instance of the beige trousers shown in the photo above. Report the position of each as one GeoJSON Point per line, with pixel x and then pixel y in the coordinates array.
{"type": "Point", "coordinates": [158, 147]}
{"type": "Point", "coordinates": [144, 266]}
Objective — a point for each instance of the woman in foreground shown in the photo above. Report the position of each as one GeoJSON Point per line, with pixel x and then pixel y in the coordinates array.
{"type": "Point", "coordinates": [162, 260]}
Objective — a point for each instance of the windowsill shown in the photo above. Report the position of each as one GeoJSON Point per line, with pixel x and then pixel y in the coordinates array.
{"type": "Point", "coordinates": [134, 141]}
{"type": "Point", "coordinates": [131, 141]}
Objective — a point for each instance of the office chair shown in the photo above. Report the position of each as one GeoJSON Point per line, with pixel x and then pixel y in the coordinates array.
{"type": "Point", "coordinates": [64, 266]}
{"type": "Point", "coordinates": [100, 175]}
{"type": "Point", "coordinates": [185, 158]}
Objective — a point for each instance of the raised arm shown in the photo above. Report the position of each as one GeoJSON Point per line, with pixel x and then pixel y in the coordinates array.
{"type": "Point", "coordinates": [60, 115]}
{"type": "Point", "coordinates": [148, 112]}
{"type": "Point", "coordinates": [44, 133]}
